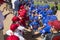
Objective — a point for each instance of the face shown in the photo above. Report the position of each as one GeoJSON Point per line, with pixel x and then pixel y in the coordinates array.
{"type": "Point", "coordinates": [39, 16]}
{"type": "Point", "coordinates": [46, 9]}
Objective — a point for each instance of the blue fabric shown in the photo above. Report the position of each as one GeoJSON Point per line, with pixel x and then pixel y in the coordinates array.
{"type": "Point", "coordinates": [53, 17]}
{"type": "Point", "coordinates": [44, 13]}
{"type": "Point", "coordinates": [35, 25]}
{"type": "Point", "coordinates": [50, 12]}
{"type": "Point", "coordinates": [31, 17]}
{"type": "Point", "coordinates": [36, 18]}
{"type": "Point", "coordinates": [46, 29]}
{"type": "Point", "coordinates": [32, 7]}
{"type": "Point", "coordinates": [46, 19]}
{"type": "Point", "coordinates": [46, 6]}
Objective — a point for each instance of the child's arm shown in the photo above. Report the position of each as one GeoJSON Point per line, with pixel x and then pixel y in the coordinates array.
{"type": "Point", "coordinates": [9, 32]}
{"type": "Point", "coordinates": [31, 26]}
{"type": "Point", "coordinates": [40, 28]}
{"type": "Point", "coordinates": [27, 30]}
{"type": "Point", "coordinates": [23, 28]}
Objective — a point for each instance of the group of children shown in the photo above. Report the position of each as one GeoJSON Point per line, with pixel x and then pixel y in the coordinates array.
{"type": "Point", "coordinates": [34, 18]}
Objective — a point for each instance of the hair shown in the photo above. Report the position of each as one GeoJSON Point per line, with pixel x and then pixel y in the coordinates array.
{"type": "Point", "coordinates": [56, 3]}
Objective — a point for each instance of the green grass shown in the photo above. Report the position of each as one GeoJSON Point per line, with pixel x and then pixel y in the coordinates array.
{"type": "Point", "coordinates": [51, 4]}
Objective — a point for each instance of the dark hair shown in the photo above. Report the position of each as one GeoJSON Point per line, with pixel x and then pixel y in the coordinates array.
{"type": "Point", "coordinates": [56, 3]}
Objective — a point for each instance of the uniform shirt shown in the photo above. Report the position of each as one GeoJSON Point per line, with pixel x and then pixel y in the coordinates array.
{"type": "Point", "coordinates": [34, 25]}
{"type": "Point", "coordinates": [46, 29]}
{"type": "Point", "coordinates": [45, 19]}
{"type": "Point", "coordinates": [36, 18]}
{"type": "Point", "coordinates": [53, 17]}
{"type": "Point", "coordinates": [31, 17]}
{"type": "Point", "coordinates": [49, 12]}
{"type": "Point", "coordinates": [17, 32]}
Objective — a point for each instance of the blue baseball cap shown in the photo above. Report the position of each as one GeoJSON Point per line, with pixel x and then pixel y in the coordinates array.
{"type": "Point", "coordinates": [46, 6]}
{"type": "Point", "coordinates": [50, 12]}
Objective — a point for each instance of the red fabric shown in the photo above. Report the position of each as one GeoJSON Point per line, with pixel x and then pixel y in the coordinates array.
{"type": "Point", "coordinates": [22, 13]}
{"type": "Point", "coordinates": [22, 7]}
{"type": "Point", "coordinates": [15, 18]}
{"type": "Point", "coordinates": [12, 37]}
{"type": "Point", "coordinates": [56, 38]}
{"type": "Point", "coordinates": [27, 18]}
{"type": "Point", "coordinates": [55, 24]}
{"type": "Point", "coordinates": [22, 22]}
{"type": "Point", "coordinates": [50, 23]}
{"type": "Point", "coordinates": [13, 27]}
{"type": "Point", "coordinates": [1, 1]}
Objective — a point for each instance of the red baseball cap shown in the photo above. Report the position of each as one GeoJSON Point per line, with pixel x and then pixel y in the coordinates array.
{"type": "Point", "coordinates": [50, 23]}
{"type": "Point", "coordinates": [13, 27]}
{"type": "Point", "coordinates": [55, 24]}
{"type": "Point", "coordinates": [12, 37]}
{"type": "Point", "coordinates": [15, 18]}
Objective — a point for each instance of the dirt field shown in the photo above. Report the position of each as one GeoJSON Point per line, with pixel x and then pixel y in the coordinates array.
{"type": "Point", "coordinates": [7, 22]}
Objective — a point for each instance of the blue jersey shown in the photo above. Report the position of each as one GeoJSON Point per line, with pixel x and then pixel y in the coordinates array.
{"type": "Point", "coordinates": [36, 18]}
{"type": "Point", "coordinates": [53, 17]}
{"type": "Point", "coordinates": [46, 29]}
{"type": "Point", "coordinates": [45, 19]}
{"type": "Point", "coordinates": [49, 12]}
{"type": "Point", "coordinates": [35, 25]}
{"type": "Point", "coordinates": [31, 17]}
{"type": "Point", "coordinates": [43, 13]}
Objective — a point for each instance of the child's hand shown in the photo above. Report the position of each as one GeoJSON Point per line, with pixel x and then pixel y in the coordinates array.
{"type": "Point", "coordinates": [39, 28]}
{"type": "Point", "coordinates": [29, 30]}
{"type": "Point", "coordinates": [36, 33]}
{"type": "Point", "coordinates": [31, 27]}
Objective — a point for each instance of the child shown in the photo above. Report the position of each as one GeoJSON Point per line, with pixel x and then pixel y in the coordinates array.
{"type": "Point", "coordinates": [55, 34]}
{"type": "Point", "coordinates": [50, 16]}
{"type": "Point", "coordinates": [34, 25]}
{"type": "Point", "coordinates": [55, 8]}
{"type": "Point", "coordinates": [15, 30]}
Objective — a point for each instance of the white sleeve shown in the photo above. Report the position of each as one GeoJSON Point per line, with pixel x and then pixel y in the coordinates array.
{"type": "Point", "coordinates": [9, 32]}
{"type": "Point", "coordinates": [21, 28]}
{"type": "Point", "coordinates": [20, 36]}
